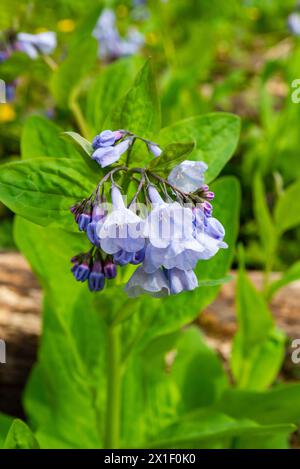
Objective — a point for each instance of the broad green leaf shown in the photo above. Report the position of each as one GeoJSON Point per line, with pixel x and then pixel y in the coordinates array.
{"type": "Point", "coordinates": [108, 88]}
{"type": "Point", "coordinates": [5, 423]}
{"type": "Point", "coordinates": [139, 110]}
{"type": "Point", "coordinates": [198, 372]}
{"type": "Point", "coordinates": [41, 137]}
{"type": "Point", "coordinates": [279, 405]}
{"type": "Point", "coordinates": [266, 228]}
{"type": "Point", "coordinates": [258, 347]}
{"type": "Point", "coordinates": [68, 76]}
{"type": "Point", "coordinates": [43, 189]}
{"type": "Point", "coordinates": [20, 437]}
{"type": "Point", "coordinates": [172, 155]}
{"type": "Point", "coordinates": [216, 136]}
{"type": "Point", "coordinates": [287, 209]}
{"type": "Point", "coordinates": [15, 66]}
{"type": "Point", "coordinates": [66, 390]}
{"type": "Point", "coordinates": [291, 275]}
{"type": "Point", "coordinates": [83, 146]}
{"type": "Point", "coordinates": [207, 428]}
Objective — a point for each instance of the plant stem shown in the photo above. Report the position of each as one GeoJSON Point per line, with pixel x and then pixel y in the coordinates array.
{"type": "Point", "coordinates": [76, 110]}
{"type": "Point", "coordinates": [113, 389]}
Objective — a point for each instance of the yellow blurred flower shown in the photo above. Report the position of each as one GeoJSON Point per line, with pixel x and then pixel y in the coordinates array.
{"type": "Point", "coordinates": [66, 26]}
{"type": "Point", "coordinates": [151, 39]}
{"type": "Point", "coordinates": [7, 113]}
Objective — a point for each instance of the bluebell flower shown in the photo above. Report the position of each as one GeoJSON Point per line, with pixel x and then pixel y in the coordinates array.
{"type": "Point", "coordinates": [170, 232]}
{"type": "Point", "coordinates": [108, 155]}
{"type": "Point", "coordinates": [122, 229]}
{"type": "Point", "coordinates": [98, 217]}
{"type": "Point", "coordinates": [155, 284]}
{"type": "Point", "coordinates": [106, 138]}
{"type": "Point", "coordinates": [294, 23]}
{"type": "Point", "coordinates": [83, 220]}
{"type": "Point", "coordinates": [154, 149]}
{"type": "Point", "coordinates": [33, 44]}
{"type": "Point", "coordinates": [123, 258]}
{"type": "Point", "coordinates": [181, 280]}
{"type": "Point", "coordinates": [96, 279]}
{"type": "Point", "coordinates": [210, 233]}
{"type": "Point", "coordinates": [188, 176]}
{"type": "Point", "coordinates": [81, 271]}
{"type": "Point", "coordinates": [110, 269]}
{"type": "Point", "coordinates": [111, 44]}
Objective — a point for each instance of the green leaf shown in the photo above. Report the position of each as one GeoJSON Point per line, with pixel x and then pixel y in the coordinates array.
{"type": "Point", "coordinates": [266, 228]}
{"type": "Point", "coordinates": [84, 147]}
{"type": "Point", "coordinates": [5, 423]}
{"type": "Point", "coordinates": [41, 137]}
{"type": "Point", "coordinates": [139, 110]}
{"type": "Point", "coordinates": [74, 68]}
{"type": "Point", "coordinates": [20, 437]}
{"type": "Point", "coordinates": [197, 371]}
{"type": "Point", "coordinates": [207, 428]}
{"type": "Point", "coordinates": [291, 275]}
{"type": "Point", "coordinates": [43, 189]}
{"type": "Point", "coordinates": [258, 347]}
{"type": "Point", "coordinates": [108, 88]}
{"type": "Point", "coordinates": [276, 406]}
{"type": "Point", "coordinates": [172, 155]}
{"type": "Point", "coordinates": [65, 394]}
{"type": "Point", "coordinates": [15, 66]}
{"type": "Point", "coordinates": [216, 136]}
{"type": "Point", "coordinates": [287, 209]}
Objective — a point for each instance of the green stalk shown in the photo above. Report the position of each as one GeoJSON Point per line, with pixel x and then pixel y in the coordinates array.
{"type": "Point", "coordinates": [113, 389]}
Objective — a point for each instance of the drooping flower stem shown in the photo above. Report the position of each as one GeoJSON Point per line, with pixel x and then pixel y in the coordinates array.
{"type": "Point", "coordinates": [114, 377]}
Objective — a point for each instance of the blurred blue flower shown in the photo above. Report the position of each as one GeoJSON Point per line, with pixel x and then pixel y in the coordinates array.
{"type": "Point", "coordinates": [111, 44]}
{"type": "Point", "coordinates": [294, 23]}
{"type": "Point", "coordinates": [154, 149]}
{"type": "Point", "coordinates": [33, 44]}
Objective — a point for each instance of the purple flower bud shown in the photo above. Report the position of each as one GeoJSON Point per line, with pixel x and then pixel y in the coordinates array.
{"type": "Point", "coordinates": [96, 278]}
{"type": "Point", "coordinates": [205, 188]}
{"type": "Point", "coordinates": [83, 220]}
{"type": "Point", "coordinates": [106, 139]}
{"type": "Point", "coordinates": [138, 257]}
{"type": "Point", "coordinates": [110, 269]}
{"type": "Point", "coordinates": [209, 195]}
{"type": "Point", "coordinates": [81, 271]}
{"type": "Point", "coordinates": [208, 208]}
{"type": "Point", "coordinates": [154, 149]}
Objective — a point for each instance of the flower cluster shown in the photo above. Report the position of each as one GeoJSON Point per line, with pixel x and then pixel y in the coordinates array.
{"type": "Point", "coordinates": [111, 44]}
{"type": "Point", "coordinates": [164, 230]}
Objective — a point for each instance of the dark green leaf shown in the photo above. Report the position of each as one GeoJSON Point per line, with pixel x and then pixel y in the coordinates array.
{"type": "Point", "coordinates": [216, 136]}
{"type": "Point", "coordinates": [172, 155]}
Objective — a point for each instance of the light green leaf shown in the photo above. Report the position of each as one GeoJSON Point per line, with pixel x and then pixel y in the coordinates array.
{"type": "Point", "coordinates": [84, 147]}
{"type": "Point", "coordinates": [5, 423]}
{"type": "Point", "coordinates": [216, 136]}
{"type": "Point", "coordinates": [287, 209]}
{"type": "Point", "coordinates": [41, 137]}
{"type": "Point", "coordinates": [20, 437]}
{"type": "Point", "coordinates": [172, 155]}
{"type": "Point", "coordinates": [266, 228]}
{"type": "Point", "coordinates": [291, 275]}
{"type": "Point", "coordinates": [258, 347]}
{"type": "Point", "coordinates": [108, 88]}
{"type": "Point", "coordinates": [139, 110]}
{"type": "Point", "coordinates": [74, 68]}
{"type": "Point", "coordinates": [43, 189]}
